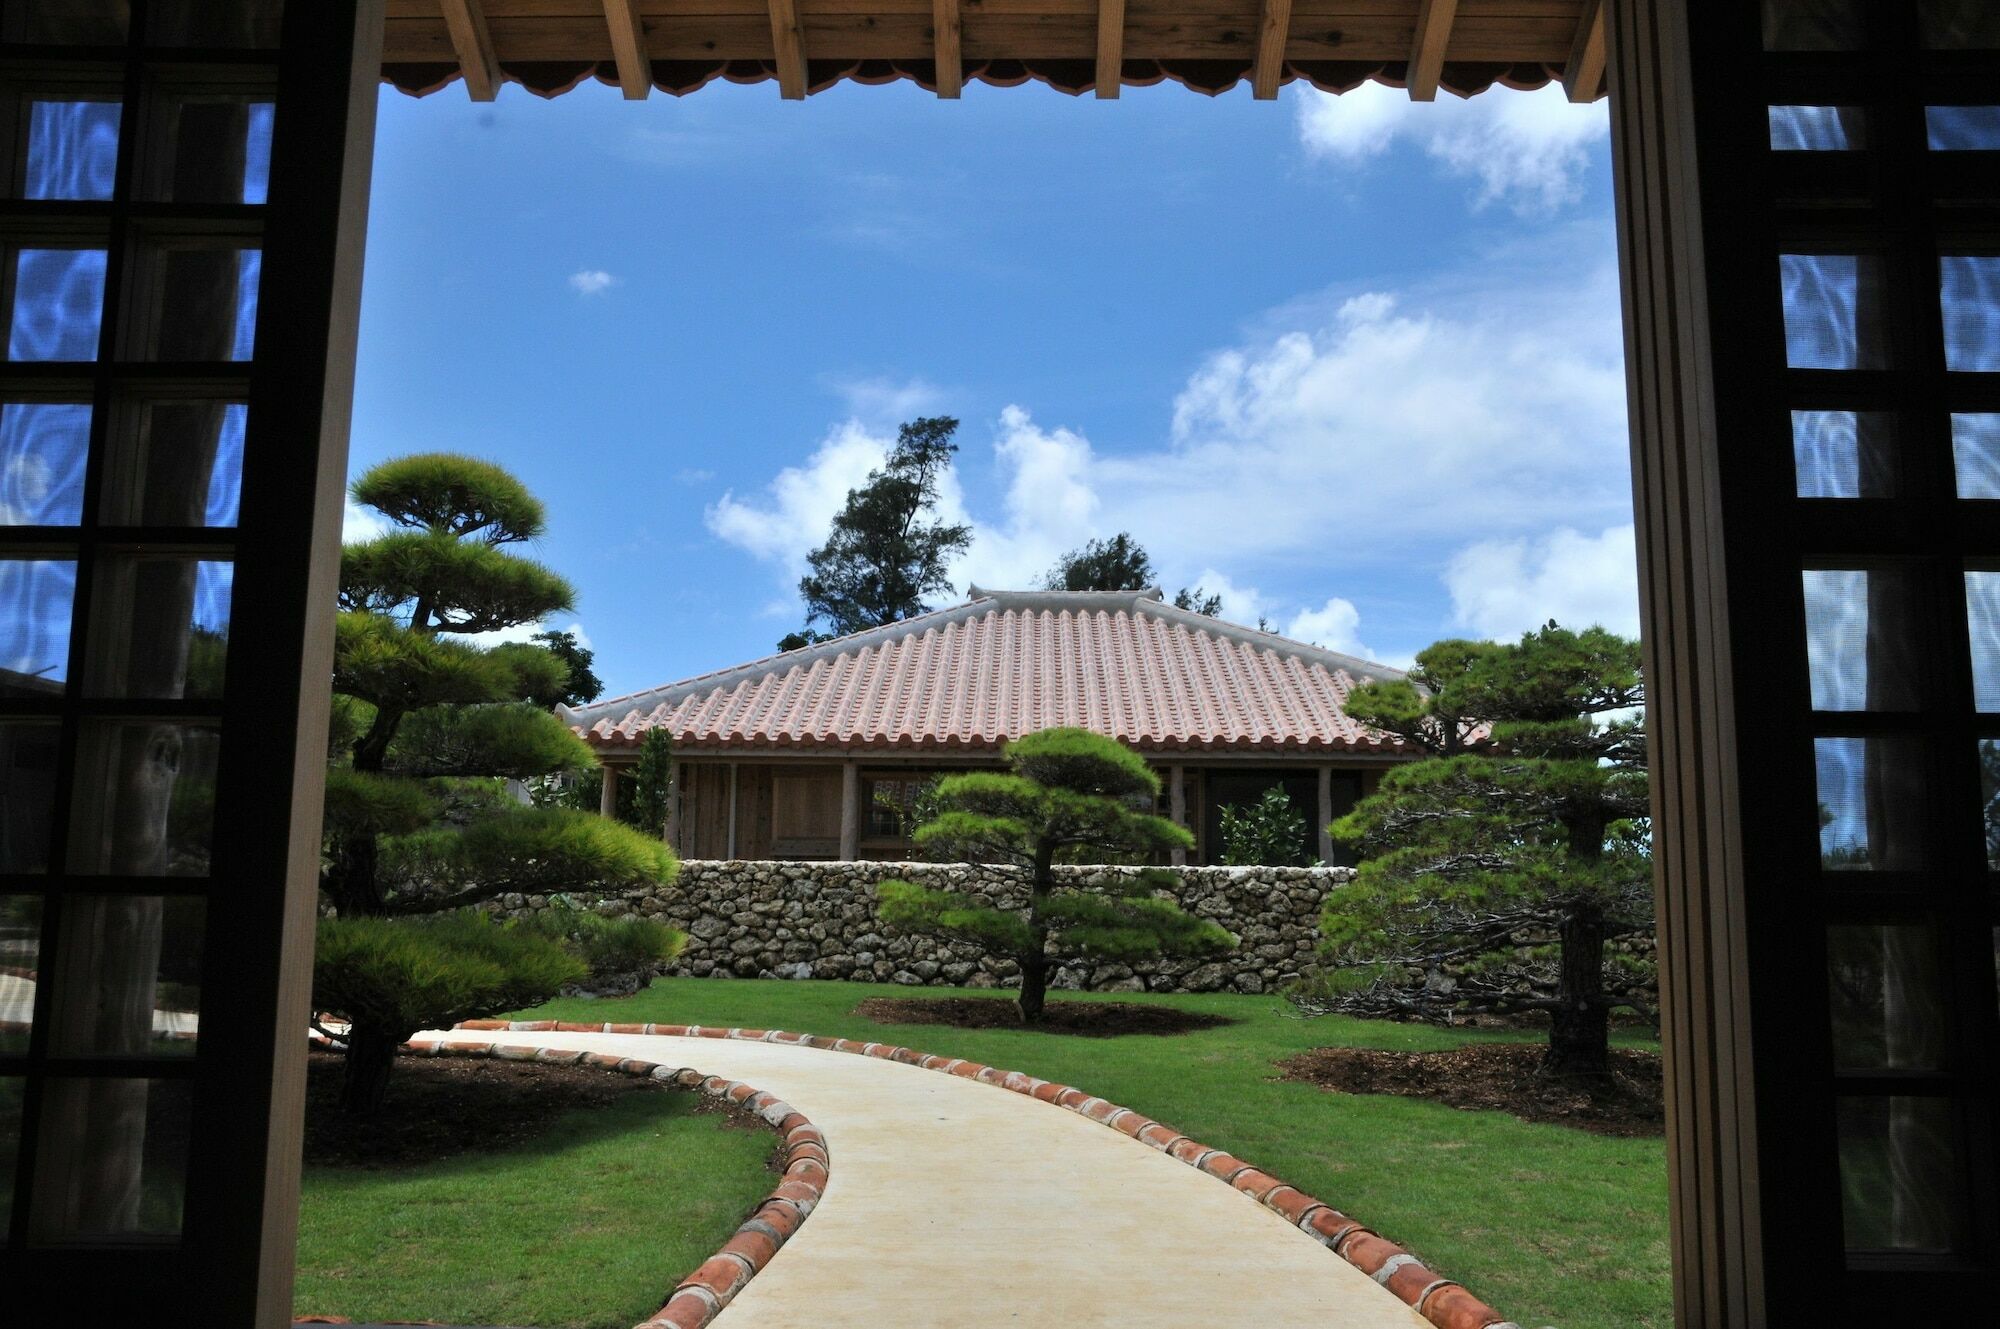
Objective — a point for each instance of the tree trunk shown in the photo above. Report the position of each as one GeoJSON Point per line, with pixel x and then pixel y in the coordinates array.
{"type": "Point", "coordinates": [1580, 1026]}
{"type": "Point", "coordinates": [1035, 964]}
{"type": "Point", "coordinates": [371, 1053]}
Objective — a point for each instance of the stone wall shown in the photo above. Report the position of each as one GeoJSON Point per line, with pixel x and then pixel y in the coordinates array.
{"type": "Point", "coordinates": [817, 920]}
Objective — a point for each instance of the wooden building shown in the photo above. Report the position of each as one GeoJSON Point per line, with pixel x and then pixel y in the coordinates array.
{"type": "Point", "coordinates": [820, 753]}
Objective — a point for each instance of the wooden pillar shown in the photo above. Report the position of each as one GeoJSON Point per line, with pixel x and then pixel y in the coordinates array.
{"type": "Point", "coordinates": [1325, 814]}
{"type": "Point", "coordinates": [672, 832]}
{"type": "Point", "coordinates": [1177, 809]}
{"type": "Point", "coordinates": [607, 796]}
{"type": "Point", "coordinates": [731, 853]}
{"type": "Point", "coordinates": [850, 812]}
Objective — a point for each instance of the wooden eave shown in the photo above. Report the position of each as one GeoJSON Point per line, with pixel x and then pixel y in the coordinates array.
{"type": "Point", "coordinates": [550, 46]}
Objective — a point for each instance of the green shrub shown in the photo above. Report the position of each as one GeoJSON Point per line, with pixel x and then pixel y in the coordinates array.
{"type": "Point", "coordinates": [612, 947]}
{"type": "Point", "coordinates": [1268, 833]}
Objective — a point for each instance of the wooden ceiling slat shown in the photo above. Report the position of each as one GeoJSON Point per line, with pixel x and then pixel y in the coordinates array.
{"type": "Point", "coordinates": [788, 44]}
{"type": "Point", "coordinates": [950, 64]}
{"type": "Point", "coordinates": [1427, 48]}
{"type": "Point", "coordinates": [1268, 70]}
{"type": "Point", "coordinates": [1583, 73]}
{"type": "Point", "coordinates": [1110, 48]}
{"type": "Point", "coordinates": [628, 49]}
{"type": "Point", "coordinates": [472, 47]}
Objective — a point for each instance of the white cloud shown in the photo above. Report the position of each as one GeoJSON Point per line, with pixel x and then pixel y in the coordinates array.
{"type": "Point", "coordinates": [1503, 588]}
{"type": "Point", "coordinates": [887, 402]}
{"type": "Point", "coordinates": [360, 523]}
{"type": "Point", "coordinates": [526, 631]}
{"type": "Point", "coordinates": [1527, 149]}
{"type": "Point", "coordinates": [1336, 625]}
{"type": "Point", "coordinates": [591, 281]}
{"type": "Point", "coordinates": [799, 505]}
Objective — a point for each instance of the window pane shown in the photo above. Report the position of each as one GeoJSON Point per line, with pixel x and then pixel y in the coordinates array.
{"type": "Point", "coordinates": [1844, 454]}
{"type": "Point", "coordinates": [215, 22]}
{"type": "Point", "coordinates": [1975, 449]}
{"type": "Point", "coordinates": [65, 22]}
{"type": "Point", "coordinates": [144, 800]}
{"type": "Point", "coordinates": [1971, 298]}
{"type": "Point", "coordinates": [128, 976]}
{"type": "Point", "coordinates": [1982, 621]}
{"type": "Point", "coordinates": [204, 302]}
{"type": "Point", "coordinates": [1964, 128]}
{"type": "Point", "coordinates": [112, 1164]}
{"type": "Point", "coordinates": [20, 947]}
{"type": "Point", "coordinates": [1900, 1174]}
{"type": "Point", "coordinates": [210, 149]}
{"type": "Point", "coordinates": [1960, 24]}
{"type": "Point", "coordinates": [175, 463]}
{"type": "Point", "coordinates": [1813, 25]}
{"type": "Point", "coordinates": [1859, 640]}
{"type": "Point", "coordinates": [42, 450]}
{"type": "Point", "coordinates": [1871, 803]}
{"type": "Point", "coordinates": [58, 304]}
{"type": "Point", "coordinates": [36, 596]}
{"type": "Point", "coordinates": [72, 149]}
{"type": "Point", "coordinates": [1884, 993]}
{"type": "Point", "coordinates": [1833, 311]}
{"type": "Point", "coordinates": [27, 794]}
{"type": "Point", "coordinates": [1818, 128]}
{"type": "Point", "coordinates": [160, 628]}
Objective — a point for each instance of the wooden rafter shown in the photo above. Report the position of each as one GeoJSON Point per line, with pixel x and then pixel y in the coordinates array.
{"type": "Point", "coordinates": [788, 41]}
{"type": "Point", "coordinates": [1272, 30]}
{"type": "Point", "coordinates": [1434, 19]}
{"type": "Point", "coordinates": [950, 65]}
{"type": "Point", "coordinates": [473, 44]}
{"type": "Point", "coordinates": [1110, 47]}
{"type": "Point", "coordinates": [1584, 74]}
{"type": "Point", "coordinates": [628, 49]}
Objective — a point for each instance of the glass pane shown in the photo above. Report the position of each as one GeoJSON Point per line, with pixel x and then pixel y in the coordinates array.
{"type": "Point", "coordinates": [145, 799]}
{"type": "Point", "coordinates": [58, 304]}
{"type": "Point", "coordinates": [72, 149]}
{"type": "Point", "coordinates": [20, 945]}
{"type": "Point", "coordinates": [36, 595]}
{"type": "Point", "coordinates": [215, 22]}
{"type": "Point", "coordinates": [1871, 803]}
{"type": "Point", "coordinates": [205, 302]}
{"type": "Point", "coordinates": [1959, 24]}
{"type": "Point", "coordinates": [1901, 1176]}
{"type": "Point", "coordinates": [175, 463]}
{"type": "Point", "coordinates": [127, 976]}
{"type": "Point", "coordinates": [1971, 298]}
{"type": "Point", "coordinates": [1844, 454]}
{"type": "Point", "coordinates": [1833, 311]}
{"type": "Point", "coordinates": [112, 1160]}
{"type": "Point", "coordinates": [1859, 639]}
{"type": "Point", "coordinates": [214, 149]}
{"type": "Point", "coordinates": [1813, 25]}
{"type": "Point", "coordinates": [160, 628]}
{"type": "Point", "coordinates": [1964, 128]}
{"type": "Point", "coordinates": [27, 794]}
{"type": "Point", "coordinates": [1884, 992]}
{"type": "Point", "coordinates": [1982, 621]}
{"type": "Point", "coordinates": [42, 450]}
{"type": "Point", "coordinates": [1975, 450]}
{"type": "Point", "coordinates": [65, 22]}
{"type": "Point", "coordinates": [1818, 128]}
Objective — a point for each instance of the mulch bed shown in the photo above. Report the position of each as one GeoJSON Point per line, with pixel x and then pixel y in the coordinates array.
{"type": "Point", "coordinates": [1085, 1019]}
{"type": "Point", "coordinates": [438, 1107]}
{"type": "Point", "coordinates": [1501, 1077]}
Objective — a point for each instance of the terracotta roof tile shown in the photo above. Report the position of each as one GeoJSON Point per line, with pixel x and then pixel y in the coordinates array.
{"type": "Point", "coordinates": [1006, 663]}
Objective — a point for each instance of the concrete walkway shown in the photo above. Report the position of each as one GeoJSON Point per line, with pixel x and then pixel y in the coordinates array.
{"type": "Point", "coordinates": [954, 1203]}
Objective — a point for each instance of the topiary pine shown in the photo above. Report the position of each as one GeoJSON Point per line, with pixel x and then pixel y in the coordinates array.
{"type": "Point", "coordinates": [1068, 799]}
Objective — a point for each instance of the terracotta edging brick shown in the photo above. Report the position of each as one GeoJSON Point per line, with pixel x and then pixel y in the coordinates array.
{"type": "Point", "coordinates": [1443, 1302]}
{"type": "Point", "coordinates": [700, 1296]}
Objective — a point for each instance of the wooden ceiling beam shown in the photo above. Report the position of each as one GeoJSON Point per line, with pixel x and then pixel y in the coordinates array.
{"type": "Point", "coordinates": [1434, 20]}
{"type": "Point", "coordinates": [628, 49]}
{"type": "Point", "coordinates": [1272, 30]}
{"type": "Point", "coordinates": [950, 64]}
{"type": "Point", "coordinates": [1583, 76]}
{"type": "Point", "coordinates": [1110, 48]}
{"type": "Point", "coordinates": [465, 20]}
{"type": "Point", "coordinates": [788, 41]}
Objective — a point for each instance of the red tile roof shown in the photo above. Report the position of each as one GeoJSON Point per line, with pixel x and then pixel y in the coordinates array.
{"type": "Point", "coordinates": [1006, 663]}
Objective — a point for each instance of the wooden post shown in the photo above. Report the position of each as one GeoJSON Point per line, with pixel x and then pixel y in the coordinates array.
{"type": "Point", "coordinates": [672, 832]}
{"type": "Point", "coordinates": [850, 812]}
{"type": "Point", "coordinates": [1177, 809]}
{"type": "Point", "coordinates": [732, 811]}
{"type": "Point", "coordinates": [607, 797]}
{"type": "Point", "coordinates": [1325, 813]}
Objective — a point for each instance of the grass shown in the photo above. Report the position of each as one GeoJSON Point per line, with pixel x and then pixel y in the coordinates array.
{"type": "Point", "coordinates": [1551, 1225]}
{"type": "Point", "coordinates": [587, 1227]}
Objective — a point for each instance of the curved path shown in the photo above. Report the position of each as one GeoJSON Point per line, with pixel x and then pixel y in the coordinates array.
{"type": "Point", "coordinates": [955, 1203]}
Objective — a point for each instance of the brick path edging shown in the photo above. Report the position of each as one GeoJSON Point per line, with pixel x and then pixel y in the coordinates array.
{"type": "Point", "coordinates": [1443, 1302]}
{"type": "Point", "coordinates": [700, 1297]}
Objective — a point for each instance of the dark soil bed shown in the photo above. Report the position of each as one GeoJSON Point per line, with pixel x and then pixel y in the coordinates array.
{"type": "Point", "coordinates": [438, 1107]}
{"type": "Point", "coordinates": [1501, 1077]}
{"type": "Point", "coordinates": [1086, 1019]}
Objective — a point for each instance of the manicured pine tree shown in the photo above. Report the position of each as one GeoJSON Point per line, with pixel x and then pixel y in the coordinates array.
{"type": "Point", "coordinates": [1070, 798]}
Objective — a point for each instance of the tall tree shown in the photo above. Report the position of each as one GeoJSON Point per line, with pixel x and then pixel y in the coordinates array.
{"type": "Point", "coordinates": [1495, 873]}
{"type": "Point", "coordinates": [1068, 799]}
{"type": "Point", "coordinates": [1119, 564]}
{"type": "Point", "coordinates": [887, 551]}
{"type": "Point", "coordinates": [581, 685]}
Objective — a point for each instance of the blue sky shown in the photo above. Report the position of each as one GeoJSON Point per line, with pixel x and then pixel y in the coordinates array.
{"type": "Point", "coordinates": [1352, 362]}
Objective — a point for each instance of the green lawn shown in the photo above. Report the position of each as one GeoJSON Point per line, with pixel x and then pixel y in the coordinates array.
{"type": "Point", "coordinates": [1551, 1225]}
{"type": "Point", "coordinates": [590, 1225]}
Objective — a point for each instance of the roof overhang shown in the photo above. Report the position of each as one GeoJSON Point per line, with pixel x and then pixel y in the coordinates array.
{"type": "Point", "coordinates": [677, 46]}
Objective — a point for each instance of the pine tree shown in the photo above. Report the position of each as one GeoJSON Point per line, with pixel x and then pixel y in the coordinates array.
{"type": "Point", "coordinates": [1120, 564]}
{"type": "Point", "coordinates": [1068, 799]}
